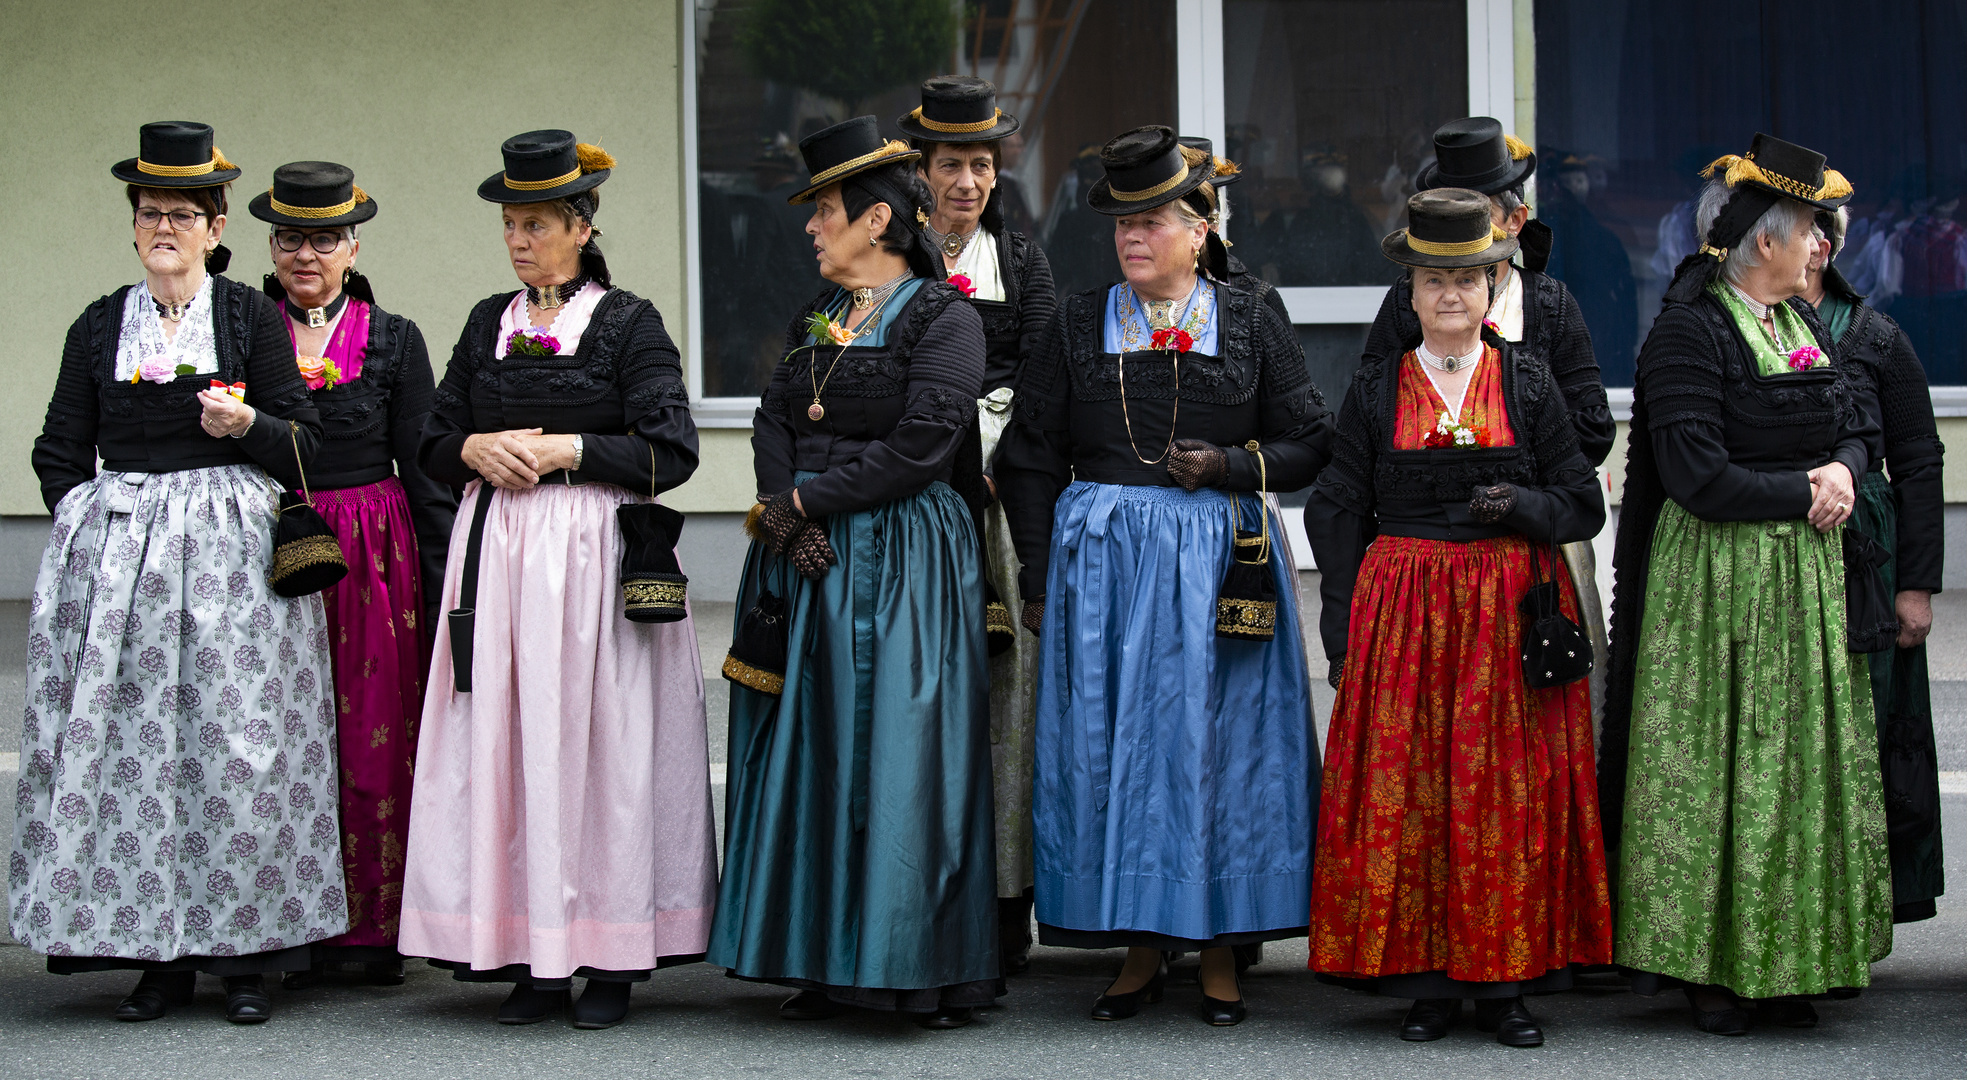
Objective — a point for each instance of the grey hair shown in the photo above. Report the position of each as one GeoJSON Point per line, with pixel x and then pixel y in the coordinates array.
{"type": "Point", "coordinates": [1840, 223]}
{"type": "Point", "coordinates": [1778, 224]}
{"type": "Point", "coordinates": [1189, 218]}
{"type": "Point", "coordinates": [1508, 199]}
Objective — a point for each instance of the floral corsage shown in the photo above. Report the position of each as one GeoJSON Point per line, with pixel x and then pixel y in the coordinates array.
{"type": "Point", "coordinates": [319, 372]}
{"type": "Point", "coordinates": [1805, 358]}
{"type": "Point", "coordinates": [822, 326]}
{"type": "Point", "coordinates": [963, 284]}
{"type": "Point", "coordinates": [1172, 337]}
{"type": "Point", "coordinates": [532, 343]}
{"type": "Point", "coordinates": [1448, 434]}
{"type": "Point", "coordinates": [237, 390]}
{"type": "Point", "coordinates": [158, 371]}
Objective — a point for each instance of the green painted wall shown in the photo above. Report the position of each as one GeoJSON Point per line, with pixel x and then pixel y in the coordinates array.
{"type": "Point", "coordinates": [416, 97]}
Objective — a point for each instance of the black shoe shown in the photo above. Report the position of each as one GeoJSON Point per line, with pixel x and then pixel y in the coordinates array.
{"type": "Point", "coordinates": [1729, 1021]}
{"type": "Point", "coordinates": [1014, 934]}
{"type": "Point", "coordinates": [1430, 1018]}
{"type": "Point", "coordinates": [946, 1016]}
{"type": "Point", "coordinates": [528, 1004]}
{"type": "Point", "coordinates": [810, 1005]}
{"type": "Point", "coordinates": [1219, 1013]}
{"type": "Point", "coordinates": [602, 1005]}
{"type": "Point", "coordinates": [383, 973]}
{"type": "Point", "coordinates": [155, 993]}
{"type": "Point", "coordinates": [1509, 1020]}
{"type": "Point", "coordinates": [1789, 1012]}
{"type": "Point", "coordinates": [1122, 1006]}
{"type": "Point", "coordinates": [246, 1001]}
{"type": "Point", "coordinates": [301, 980]}
{"type": "Point", "coordinates": [1247, 956]}
{"type": "Point", "coordinates": [1844, 993]}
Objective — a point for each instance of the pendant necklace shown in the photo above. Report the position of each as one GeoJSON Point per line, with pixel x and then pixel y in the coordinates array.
{"type": "Point", "coordinates": [316, 317]}
{"type": "Point", "coordinates": [951, 244]}
{"type": "Point", "coordinates": [865, 297]}
{"type": "Point", "coordinates": [548, 297]}
{"type": "Point", "coordinates": [1449, 363]}
{"type": "Point", "coordinates": [169, 311]}
{"type": "Point", "coordinates": [816, 412]}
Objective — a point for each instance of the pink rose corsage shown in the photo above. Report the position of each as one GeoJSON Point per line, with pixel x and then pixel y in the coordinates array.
{"type": "Point", "coordinates": [532, 343]}
{"type": "Point", "coordinates": [1805, 358]}
{"type": "Point", "coordinates": [963, 284]}
{"type": "Point", "coordinates": [156, 371]}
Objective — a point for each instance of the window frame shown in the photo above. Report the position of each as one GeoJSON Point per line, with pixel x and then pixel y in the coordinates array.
{"type": "Point", "coordinates": [1495, 88]}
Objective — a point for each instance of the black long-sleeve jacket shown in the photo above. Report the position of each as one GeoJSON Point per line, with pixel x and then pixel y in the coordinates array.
{"type": "Point", "coordinates": [1875, 348]}
{"type": "Point", "coordinates": [154, 427]}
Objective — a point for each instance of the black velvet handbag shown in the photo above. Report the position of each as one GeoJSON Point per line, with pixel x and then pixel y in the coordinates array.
{"type": "Point", "coordinates": [654, 588]}
{"type": "Point", "coordinates": [758, 649]}
{"type": "Point", "coordinates": [1555, 649]}
{"type": "Point", "coordinates": [306, 556]}
{"type": "Point", "coordinates": [1246, 603]}
{"type": "Point", "coordinates": [1000, 632]}
{"type": "Point", "coordinates": [1871, 622]}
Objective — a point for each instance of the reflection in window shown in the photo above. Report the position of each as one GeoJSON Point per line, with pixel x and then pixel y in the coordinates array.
{"type": "Point", "coordinates": [1070, 70]}
{"type": "Point", "coordinates": [1633, 99]}
{"type": "Point", "coordinates": [1331, 108]}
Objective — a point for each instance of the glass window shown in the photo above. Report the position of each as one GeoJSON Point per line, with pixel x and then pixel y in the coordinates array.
{"type": "Point", "coordinates": [1331, 107]}
{"type": "Point", "coordinates": [1633, 99]}
{"type": "Point", "coordinates": [767, 76]}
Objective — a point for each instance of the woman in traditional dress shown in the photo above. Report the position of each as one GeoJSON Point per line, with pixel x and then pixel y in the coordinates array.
{"type": "Point", "coordinates": [1459, 853]}
{"type": "Point", "coordinates": [369, 375]}
{"type": "Point", "coordinates": [561, 821]}
{"type": "Point", "coordinates": [177, 787]}
{"type": "Point", "coordinates": [857, 839]}
{"type": "Point", "coordinates": [1738, 730]}
{"type": "Point", "coordinates": [1177, 763]}
{"type": "Point", "coordinates": [1533, 311]}
{"type": "Point", "coordinates": [957, 129]}
{"type": "Point", "coordinates": [1906, 515]}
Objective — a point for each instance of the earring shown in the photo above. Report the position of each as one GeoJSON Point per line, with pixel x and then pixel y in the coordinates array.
{"type": "Point", "coordinates": [870, 240]}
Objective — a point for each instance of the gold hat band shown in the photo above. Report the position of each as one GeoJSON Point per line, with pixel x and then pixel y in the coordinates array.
{"type": "Point", "coordinates": [1465, 247]}
{"type": "Point", "coordinates": [175, 170]}
{"type": "Point", "coordinates": [889, 149]}
{"type": "Point", "coordinates": [1161, 188]}
{"type": "Point", "coordinates": [290, 210]}
{"type": "Point", "coordinates": [956, 129]}
{"type": "Point", "coordinates": [542, 185]}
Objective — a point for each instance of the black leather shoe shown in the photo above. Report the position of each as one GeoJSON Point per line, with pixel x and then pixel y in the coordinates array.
{"type": "Point", "coordinates": [1430, 1018]}
{"type": "Point", "coordinates": [155, 993]}
{"type": "Point", "coordinates": [383, 973]}
{"type": "Point", "coordinates": [1220, 1013]}
{"type": "Point", "coordinates": [1509, 1020]}
{"type": "Point", "coordinates": [1014, 934]}
{"type": "Point", "coordinates": [246, 1001]}
{"type": "Point", "coordinates": [1122, 1006]}
{"type": "Point", "coordinates": [946, 1016]}
{"type": "Point", "coordinates": [810, 1005]}
{"type": "Point", "coordinates": [301, 980]}
{"type": "Point", "coordinates": [528, 1004]}
{"type": "Point", "coordinates": [602, 1005]}
{"type": "Point", "coordinates": [1789, 1012]}
{"type": "Point", "coordinates": [1729, 1021]}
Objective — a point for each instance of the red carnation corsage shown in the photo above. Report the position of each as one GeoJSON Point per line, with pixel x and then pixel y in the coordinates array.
{"type": "Point", "coordinates": [963, 284]}
{"type": "Point", "coordinates": [1173, 337]}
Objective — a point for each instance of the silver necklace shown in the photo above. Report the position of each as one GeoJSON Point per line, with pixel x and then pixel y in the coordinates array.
{"type": "Point", "coordinates": [865, 298]}
{"type": "Point", "coordinates": [1762, 313]}
{"type": "Point", "coordinates": [952, 244]}
{"type": "Point", "coordinates": [1449, 364]}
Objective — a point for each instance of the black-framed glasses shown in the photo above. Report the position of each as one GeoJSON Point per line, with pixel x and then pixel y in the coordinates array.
{"type": "Point", "coordinates": [325, 241]}
{"type": "Point", "coordinates": [149, 217]}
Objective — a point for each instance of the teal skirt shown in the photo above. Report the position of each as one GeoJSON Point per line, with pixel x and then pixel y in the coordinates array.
{"type": "Point", "coordinates": [858, 839]}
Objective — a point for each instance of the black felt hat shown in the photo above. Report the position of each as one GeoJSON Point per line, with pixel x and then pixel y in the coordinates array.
{"type": "Point", "coordinates": [1786, 169]}
{"type": "Point", "coordinates": [1226, 172]}
{"type": "Point", "coordinates": [313, 195]}
{"type": "Point", "coordinates": [545, 165]}
{"type": "Point", "coordinates": [1448, 228]}
{"type": "Point", "coordinates": [1145, 168]}
{"type": "Point", "coordinates": [1474, 153]}
{"type": "Point", "coordinates": [176, 154]}
{"type": "Point", "coordinates": [849, 147]}
{"type": "Point", "coordinates": [957, 109]}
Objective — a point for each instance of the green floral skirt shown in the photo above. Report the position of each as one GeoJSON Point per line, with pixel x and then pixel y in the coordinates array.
{"type": "Point", "coordinates": [1754, 851]}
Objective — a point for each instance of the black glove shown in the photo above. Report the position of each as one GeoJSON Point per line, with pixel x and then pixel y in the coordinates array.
{"type": "Point", "coordinates": [1335, 674]}
{"type": "Point", "coordinates": [781, 522]}
{"type": "Point", "coordinates": [811, 552]}
{"type": "Point", "coordinates": [1196, 464]}
{"type": "Point", "coordinates": [1033, 616]}
{"type": "Point", "coordinates": [1492, 504]}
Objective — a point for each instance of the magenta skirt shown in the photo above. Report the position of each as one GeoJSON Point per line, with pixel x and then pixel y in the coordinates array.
{"type": "Point", "coordinates": [380, 654]}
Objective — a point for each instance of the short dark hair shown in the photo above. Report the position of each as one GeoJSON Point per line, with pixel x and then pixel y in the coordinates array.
{"type": "Point", "coordinates": [209, 199]}
{"type": "Point", "coordinates": [856, 200]}
{"type": "Point", "coordinates": [928, 150]}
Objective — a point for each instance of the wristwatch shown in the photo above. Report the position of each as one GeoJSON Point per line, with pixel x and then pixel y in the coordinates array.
{"type": "Point", "coordinates": [578, 448]}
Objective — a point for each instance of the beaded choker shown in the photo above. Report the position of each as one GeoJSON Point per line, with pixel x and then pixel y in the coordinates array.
{"type": "Point", "coordinates": [172, 312]}
{"type": "Point", "coordinates": [952, 244]}
{"type": "Point", "coordinates": [549, 297]}
{"type": "Point", "coordinates": [316, 317]}
{"type": "Point", "coordinates": [865, 298]}
{"type": "Point", "coordinates": [1449, 364]}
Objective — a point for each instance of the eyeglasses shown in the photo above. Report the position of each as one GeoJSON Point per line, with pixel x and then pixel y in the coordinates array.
{"type": "Point", "coordinates": [150, 217]}
{"type": "Point", "coordinates": [324, 242]}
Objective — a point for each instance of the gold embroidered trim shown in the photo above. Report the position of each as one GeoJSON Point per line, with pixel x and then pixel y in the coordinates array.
{"type": "Point", "coordinates": [654, 594]}
{"type": "Point", "coordinates": [997, 618]}
{"type": "Point", "coordinates": [765, 682]}
{"type": "Point", "coordinates": [336, 210]}
{"type": "Point", "coordinates": [955, 129]}
{"type": "Point", "coordinates": [894, 148]}
{"type": "Point", "coordinates": [1246, 618]}
{"type": "Point", "coordinates": [1465, 247]}
{"type": "Point", "coordinates": [542, 185]}
{"type": "Point", "coordinates": [297, 555]}
{"type": "Point", "coordinates": [1735, 169]}
{"type": "Point", "coordinates": [178, 170]}
{"type": "Point", "coordinates": [1161, 188]}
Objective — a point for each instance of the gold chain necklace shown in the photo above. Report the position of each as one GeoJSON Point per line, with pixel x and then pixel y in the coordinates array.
{"type": "Point", "coordinates": [1175, 364]}
{"type": "Point", "coordinates": [816, 412]}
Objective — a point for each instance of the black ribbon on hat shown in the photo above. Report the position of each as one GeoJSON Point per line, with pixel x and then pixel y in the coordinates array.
{"type": "Point", "coordinates": [1697, 271]}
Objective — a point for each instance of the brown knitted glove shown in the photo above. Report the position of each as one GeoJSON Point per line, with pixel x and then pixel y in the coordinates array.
{"type": "Point", "coordinates": [780, 522]}
{"type": "Point", "coordinates": [811, 552]}
{"type": "Point", "coordinates": [1492, 504]}
{"type": "Point", "coordinates": [1033, 616]}
{"type": "Point", "coordinates": [1196, 464]}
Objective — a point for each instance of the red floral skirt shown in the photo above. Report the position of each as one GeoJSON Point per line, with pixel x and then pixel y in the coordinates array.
{"type": "Point", "coordinates": [1458, 828]}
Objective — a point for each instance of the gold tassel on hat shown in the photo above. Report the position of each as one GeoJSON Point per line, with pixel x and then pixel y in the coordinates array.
{"type": "Point", "coordinates": [1226, 167]}
{"type": "Point", "coordinates": [1735, 168]}
{"type": "Point", "coordinates": [219, 161]}
{"type": "Point", "coordinates": [1518, 149]}
{"type": "Point", "coordinates": [360, 195]}
{"type": "Point", "coordinates": [593, 158]}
